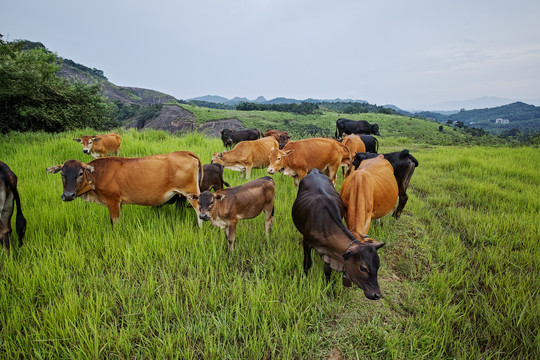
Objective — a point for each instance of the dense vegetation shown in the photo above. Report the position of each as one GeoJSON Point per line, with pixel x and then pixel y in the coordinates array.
{"type": "Point", "coordinates": [459, 273]}
{"type": "Point", "coordinates": [33, 97]}
{"type": "Point", "coordinates": [303, 108]}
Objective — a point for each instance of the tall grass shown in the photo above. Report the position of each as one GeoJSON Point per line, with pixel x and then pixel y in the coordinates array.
{"type": "Point", "coordinates": [459, 274]}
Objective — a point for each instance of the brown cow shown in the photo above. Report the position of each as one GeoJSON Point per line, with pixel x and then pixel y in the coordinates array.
{"type": "Point", "coordinates": [149, 181]}
{"type": "Point", "coordinates": [281, 136]}
{"type": "Point", "coordinates": [9, 196]}
{"type": "Point", "coordinates": [317, 213]}
{"type": "Point", "coordinates": [226, 207]}
{"type": "Point", "coordinates": [101, 145]}
{"type": "Point", "coordinates": [369, 193]}
{"type": "Point", "coordinates": [247, 155]}
{"type": "Point", "coordinates": [355, 144]}
{"type": "Point", "coordinates": [299, 157]}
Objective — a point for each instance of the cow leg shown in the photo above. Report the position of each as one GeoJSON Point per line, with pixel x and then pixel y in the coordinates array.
{"type": "Point", "coordinates": [327, 271]}
{"type": "Point", "coordinates": [402, 188]}
{"type": "Point", "coordinates": [115, 208]}
{"type": "Point", "coordinates": [332, 172]}
{"type": "Point", "coordinates": [269, 219]}
{"type": "Point", "coordinates": [300, 174]}
{"type": "Point", "coordinates": [248, 171]}
{"type": "Point", "coordinates": [307, 257]}
{"type": "Point", "coordinates": [4, 235]}
{"type": "Point", "coordinates": [6, 205]}
{"type": "Point", "coordinates": [230, 232]}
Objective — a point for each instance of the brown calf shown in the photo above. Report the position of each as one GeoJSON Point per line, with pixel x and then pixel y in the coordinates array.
{"type": "Point", "coordinates": [101, 145]}
{"type": "Point", "coordinates": [228, 206]}
{"type": "Point", "coordinates": [281, 137]}
{"type": "Point", "coordinates": [9, 196]}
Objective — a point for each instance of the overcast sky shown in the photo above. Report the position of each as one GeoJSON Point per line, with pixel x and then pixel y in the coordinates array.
{"type": "Point", "coordinates": [408, 53]}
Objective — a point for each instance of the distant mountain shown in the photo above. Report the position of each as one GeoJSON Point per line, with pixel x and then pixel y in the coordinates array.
{"type": "Point", "coordinates": [477, 103]}
{"type": "Point", "coordinates": [262, 100]}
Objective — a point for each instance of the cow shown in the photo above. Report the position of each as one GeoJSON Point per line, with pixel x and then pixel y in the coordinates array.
{"type": "Point", "coordinates": [299, 157]}
{"type": "Point", "coordinates": [148, 181]}
{"type": "Point", "coordinates": [368, 193]}
{"type": "Point", "coordinates": [228, 206]}
{"type": "Point", "coordinates": [212, 180]}
{"type": "Point", "coordinates": [355, 144]}
{"type": "Point", "coordinates": [371, 143]}
{"type": "Point", "coordinates": [101, 145]}
{"type": "Point", "coordinates": [9, 198]}
{"type": "Point", "coordinates": [317, 213]}
{"type": "Point", "coordinates": [247, 155]}
{"type": "Point", "coordinates": [232, 137]}
{"type": "Point", "coordinates": [346, 126]}
{"type": "Point", "coordinates": [281, 136]}
{"type": "Point", "coordinates": [404, 164]}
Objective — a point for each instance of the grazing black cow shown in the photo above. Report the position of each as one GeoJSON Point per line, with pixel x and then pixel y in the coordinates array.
{"type": "Point", "coordinates": [346, 126]}
{"type": "Point", "coordinates": [317, 213]}
{"type": "Point", "coordinates": [403, 163]}
{"type": "Point", "coordinates": [371, 143]}
{"type": "Point", "coordinates": [8, 197]}
{"type": "Point", "coordinates": [232, 137]}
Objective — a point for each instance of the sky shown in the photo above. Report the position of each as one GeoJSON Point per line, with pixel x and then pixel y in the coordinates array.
{"type": "Point", "coordinates": [412, 54]}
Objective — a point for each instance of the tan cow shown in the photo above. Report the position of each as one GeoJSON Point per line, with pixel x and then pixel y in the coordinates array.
{"type": "Point", "coordinates": [355, 144]}
{"type": "Point", "coordinates": [228, 206]}
{"type": "Point", "coordinates": [247, 155]}
{"type": "Point", "coordinates": [299, 157]}
{"type": "Point", "coordinates": [369, 193]}
{"type": "Point", "coordinates": [149, 181]}
{"type": "Point", "coordinates": [101, 145]}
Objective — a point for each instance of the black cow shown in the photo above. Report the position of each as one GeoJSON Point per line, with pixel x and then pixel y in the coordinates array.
{"type": "Point", "coordinates": [404, 164]}
{"type": "Point", "coordinates": [232, 137]}
{"type": "Point", "coordinates": [212, 179]}
{"type": "Point", "coordinates": [371, 143]}
{"type": "Point", "coordinates": [346, 126]}
{"type": "Point", "coordinates": [8, 197]}
{"type": "Point", "coordinates": [317, 213]}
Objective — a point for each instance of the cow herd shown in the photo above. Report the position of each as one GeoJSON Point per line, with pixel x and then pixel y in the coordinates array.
{"type": "Point", "coordinates": [372, 185]}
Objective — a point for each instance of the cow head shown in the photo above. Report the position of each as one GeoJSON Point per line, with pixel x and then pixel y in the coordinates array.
{"type": "Point", "coordinates": [217, 158]}
{"type": "Point", "coordinates": [75, 178]}
{"type": "Point", "coordinates": [206, 201]}
{"type": "Point", "coordinates": [87, 142]}
{"type": "Point", "coordinates": [277, 159]}
{"type": "Point", "coordinates": [361, 266]}
{"type": "Point", "coordinates": [361, 156]}
{"type": "Point", "coordinates": [226, 137]}
{"type": "Point", "coordinates": [375, 129]}
{"type": "Point", "coordinates": [283, 139]}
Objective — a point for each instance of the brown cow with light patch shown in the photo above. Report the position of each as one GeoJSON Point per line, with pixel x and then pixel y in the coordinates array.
{"type": "Point", "coordinates": [369, 193]}
{"type": "Point", "coordinates": [9, 198]}
{"type": "Point", "coordinates": [247, 155]}
{"type": "Point", "coordinates": [101, 145]}
{"type": "Point", "coordinates": [317, 213]}
{"type": "Point", "coordinates": [299, 157]}
{"type": "Point", "coordinates": [228, 206]}
{"type": "Point", "coordinates": [148, 181]}
{"type": "Point", "coordinates": [355, 144]}
{"type": "Point", "coordinates": [281, 136]}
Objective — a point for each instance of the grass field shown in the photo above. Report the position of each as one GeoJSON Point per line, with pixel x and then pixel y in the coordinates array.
{"type": "Point", "coordinates": [459, 272]}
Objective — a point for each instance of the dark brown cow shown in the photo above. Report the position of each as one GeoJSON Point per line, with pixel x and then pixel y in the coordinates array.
{"type": "Point", "coordinates": [247, 155]}
{"type": "Point", "coordinates": [9, 197]}
{"type": "Point", "coordinates": [149, 181]}
{"type": "Point", "coordinates": [299, 157]}
{"type": "Point", "coordinates": [281, 136]}
{"type": "Point", "coordinates": [404, 164]}
{"type": "Point", "coordinates": [232, 137]}
{"type": "Point", "coordinates": [228, 206]}
{"type": "Point", "coordinates": [317, 213]}
{"type": "Point", "coordinates": [101, 145]}
{"type": "Point", "coordinates": [369, 193]}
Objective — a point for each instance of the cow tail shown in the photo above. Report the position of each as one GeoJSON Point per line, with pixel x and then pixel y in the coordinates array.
{"type": "Point", "coordinates": [201, 174]}
{"type": "Point", "coordinates": [20, 220]}
{"type": "Point", "coordinates": [376, 145]}
{"type": "Point", "coordinates": [226, 183]}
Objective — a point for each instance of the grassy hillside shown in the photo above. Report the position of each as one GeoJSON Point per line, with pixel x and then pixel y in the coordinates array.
{"type": "Point", "coordinates": [459, 272]}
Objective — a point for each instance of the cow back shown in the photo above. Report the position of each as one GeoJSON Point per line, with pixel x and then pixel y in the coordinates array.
{"type": "Point", "coordinates": [314, 153]}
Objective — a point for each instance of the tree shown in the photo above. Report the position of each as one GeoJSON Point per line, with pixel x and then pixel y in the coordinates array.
{"type": "Point", "coordinates": [33, 97]}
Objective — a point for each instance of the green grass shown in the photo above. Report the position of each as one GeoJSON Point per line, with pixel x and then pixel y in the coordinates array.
{"type": "Point", "coordinates": [459, 272]}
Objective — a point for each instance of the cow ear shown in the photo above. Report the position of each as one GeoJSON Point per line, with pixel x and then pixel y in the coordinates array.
{"type": "Point", "coordinates": [347, 255]}
{"type": "Point", "coordinates": [192, 197]}
{"type": "Point", "coordinates": [220, 196]}
{"type": "Point", "coordinates": [88, 168]}
{"type": "Point", "coordinates": [288, 152]}
{"type": "Point", "coordinates": [377, 244]}
{"type": "Point", "coordinates": [96, 138]}
{"type": "Point", "coordinates": [55, 169]}
{"type": "Point", "coordinates": [77, 140]}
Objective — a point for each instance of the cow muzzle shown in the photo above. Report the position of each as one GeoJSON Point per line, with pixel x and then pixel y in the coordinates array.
{"type": "Point", "coordinates": [86, 151]}
{"type": "Point", "coordinates": [68, 196]}
{"type": "Point", "coordinates": [271, 171]}
{"type": "Point", "coordinates": [204, 217]}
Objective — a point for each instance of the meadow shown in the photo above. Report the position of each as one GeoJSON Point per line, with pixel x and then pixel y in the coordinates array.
{"type": "Point", "coordinates": [459, 274]}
